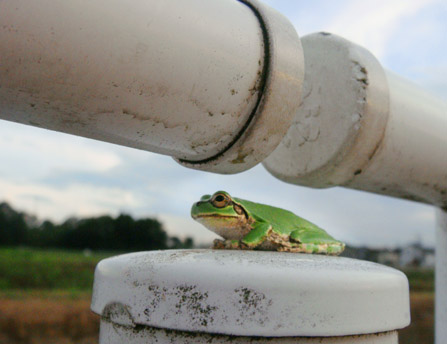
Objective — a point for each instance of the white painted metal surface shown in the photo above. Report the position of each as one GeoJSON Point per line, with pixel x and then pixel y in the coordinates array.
{"type": "Point", "coordinates": [111, 333]}
{"type": "Point", "coordinates": [214, 83]}
{"type": "Point", "coordinates": [250, 293]}
{"type": "Point", "coordinates": [362, 127]}
{"type": "Point", "coordinates": [441, 278]}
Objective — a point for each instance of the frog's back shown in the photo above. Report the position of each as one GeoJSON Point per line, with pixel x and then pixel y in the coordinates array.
{"type": "Point", "coordinates": [282, 220]}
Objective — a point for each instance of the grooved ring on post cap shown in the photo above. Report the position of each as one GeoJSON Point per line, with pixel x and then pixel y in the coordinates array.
{"type": "Point", "coordinates": [282, 78]}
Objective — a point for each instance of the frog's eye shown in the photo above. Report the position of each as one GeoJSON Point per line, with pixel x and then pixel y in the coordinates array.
{"type": "Point", "coordinates": [220, 200]}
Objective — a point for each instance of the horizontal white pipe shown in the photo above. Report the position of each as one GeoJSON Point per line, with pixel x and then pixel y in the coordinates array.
{"type": "Point", "coordinates": [216, 85]}
{"type": "Point", "coordinates": [362, 127]}
{"type": "Point", "coordinates": [411, 160]}
{"type": "Point", "coordinates": [198, 80]}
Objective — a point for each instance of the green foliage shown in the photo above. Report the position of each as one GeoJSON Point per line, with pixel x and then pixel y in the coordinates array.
{"type": "Point", "coordinates": [122, 233]}
{"type": "Point", "coordinates": [13, 228]}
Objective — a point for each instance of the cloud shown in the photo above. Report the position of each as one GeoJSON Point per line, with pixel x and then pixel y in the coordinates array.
{"type": "Point", "coordinates": [20, 146]}
{"type": "Point", "coordinates": [373, 24]}
{"type": "Point", "coordinates": [403, 35]}
{"type": "Point", "coordinates": [77, 200]}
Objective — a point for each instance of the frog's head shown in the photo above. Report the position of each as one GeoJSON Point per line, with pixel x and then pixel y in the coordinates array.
{"type": "Point", "coordinates": [222, 215]}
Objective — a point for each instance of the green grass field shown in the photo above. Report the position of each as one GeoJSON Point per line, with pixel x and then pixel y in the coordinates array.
{"type": "Point", "coordinates": [421, 279]}
{"type": "Point", "coordinates": [31, 269]}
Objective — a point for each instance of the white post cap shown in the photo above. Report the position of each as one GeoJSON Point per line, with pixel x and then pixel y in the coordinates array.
{"type": "Point", "coordinates": [251, 293]}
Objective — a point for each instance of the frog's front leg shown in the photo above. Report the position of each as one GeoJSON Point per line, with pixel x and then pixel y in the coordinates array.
{"type": "Point", "coordinates": [257, 235]}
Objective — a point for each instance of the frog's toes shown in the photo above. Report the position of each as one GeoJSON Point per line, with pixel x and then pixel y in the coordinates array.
{"type": "Point", "coordinates": [218, 244]}
{"type": "Point", "coordinates": [229, 245]}
{"type": "Point", "coordinates": [238, 245]}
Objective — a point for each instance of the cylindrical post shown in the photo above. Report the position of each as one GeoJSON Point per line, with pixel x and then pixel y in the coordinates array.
{"type": "Point", "coordinates": [203, 81]}
{"type": "Point", "coordinates": [362, 127]}
{"type": "Point", "coordinates": [441, 278]}
{"type": "Point", "coordinates": [212, 296]}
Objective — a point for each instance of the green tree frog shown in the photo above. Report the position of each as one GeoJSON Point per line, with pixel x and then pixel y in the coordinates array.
{"type": "Point", "coordinates": [248, 225]}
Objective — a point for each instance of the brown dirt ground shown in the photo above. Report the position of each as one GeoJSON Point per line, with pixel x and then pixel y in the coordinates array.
{"type": "Point", "coordinates": [421, 330]}
{"type": "Point", "coordinates": [34, 320]}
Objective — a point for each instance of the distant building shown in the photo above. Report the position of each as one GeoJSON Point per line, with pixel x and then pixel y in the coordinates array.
{"type": "Point", "coordinates": [416, 255]}
{"type": "Point", "coordinates": [389, 257]}
{"type": "Point", "coordinates": [413, 255]}
{"type": "Point", "coordinates": [430, 259]}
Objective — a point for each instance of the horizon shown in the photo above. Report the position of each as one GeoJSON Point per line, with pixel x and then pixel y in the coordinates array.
{"type": "Point", "coordinates": [33, 222]}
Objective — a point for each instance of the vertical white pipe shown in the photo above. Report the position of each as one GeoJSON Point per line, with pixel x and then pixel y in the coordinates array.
{"type": "Point", "coordinates": [441, 279]}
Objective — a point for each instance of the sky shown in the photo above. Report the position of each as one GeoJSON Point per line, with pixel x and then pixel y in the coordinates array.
{"type": "Point", "coordinates": [55, 176]}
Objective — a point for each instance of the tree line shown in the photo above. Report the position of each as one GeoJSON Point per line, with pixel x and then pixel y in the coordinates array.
{"type": "Point", "coordinates": [121, 233]}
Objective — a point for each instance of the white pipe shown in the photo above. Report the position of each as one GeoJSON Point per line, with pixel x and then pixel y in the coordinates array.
{"type": "Point", "coordinates": [202, 81]}
{"type": "Point", "coordinates": [441, 278]}
{"type": "Point", "coordinates": [362, 127]}
{"type": "Point", "coordinates": [411, 160]}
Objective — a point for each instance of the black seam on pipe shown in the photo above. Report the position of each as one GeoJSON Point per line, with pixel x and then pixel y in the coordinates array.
{"type": "Point", "coordinates": [262, 86]}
